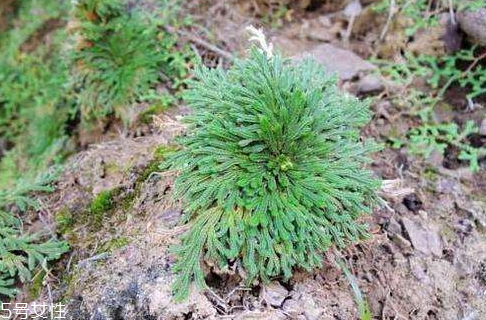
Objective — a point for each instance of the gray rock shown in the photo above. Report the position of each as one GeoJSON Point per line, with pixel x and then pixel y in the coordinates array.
{"type": "Point", "coordinates": [482, 128]}
{"type": "Point", "coordinates": [424, 240]}
{"type": "Point", "coordinates": [303, 307]}
{"type": "Point", "coordinates": [311, 310]}
{"type": "Point", "coordinates": [401, 242]}
{"type": "Point", "coordinates": [345, 63]}
{"type": "Point", "coordinates": [370, 83]}
{"type": "Point", "coordinates": [473, 23]}
{"type": "Point", "coordinates": [171, 217]}
{"type": "Point", "coordinates": [476, 211]}
{"type": "Point", "coordinates": [353, 9]}
{"type": "Point", "coordinates": [274, 294]}
{"type": "Point", "coordinates": [293, 308]}
{"type": "Point", "coordinates": [394, 227]}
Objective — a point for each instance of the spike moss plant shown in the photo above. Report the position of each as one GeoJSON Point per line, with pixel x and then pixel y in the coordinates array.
{"type": "Point", "coordinates": [271, 170]}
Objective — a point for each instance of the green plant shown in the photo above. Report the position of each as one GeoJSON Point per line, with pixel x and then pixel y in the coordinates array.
{"type": "Point", "coordinates": [363, 307]}
{"type": "Point", "coordinates": [120, 56]}
{"type": "Point", "coordinates": [276, 15]}
{"type": "Point", "coordinates": [419, 13]}
{"type": "Point", "coordinates": [427, 138]}
{"type": "Point", "coordinates": [440, 73]}
{"type": "Point", "coordinates": [422, 14]}
{"type": "Point", "coordinates": [33, 101]}
{"type": "Point", "coordinates": [102, 203]}
{"type": "Point", "coordinates": [21, 252]}
{"type": "Point", "coordinates": [271, 173]}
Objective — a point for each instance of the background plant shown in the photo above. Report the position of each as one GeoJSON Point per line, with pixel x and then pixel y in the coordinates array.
{"type": "Point", "coordinates": [422, 14]}
{"type": "Point", "coordinates": [22, 252]}
{"type": "Point", "coordinates": [119, 58]}
{"type": "Point", "coordinates": [121, 54]}
{"type": "Point", "coordinates": [33, 101]}
{"type": "Point", "coordinates": [271, 170]}
{"type": "Point", "coordinates": [440, 73]}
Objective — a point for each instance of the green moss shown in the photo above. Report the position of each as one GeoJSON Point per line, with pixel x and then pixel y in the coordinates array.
{"type": "Point", "coordinates": [65, 220]}
{"type": "Point", "coordinates": [113, 244]}
{"type": "Point", "coordinates": [36, 285]}
{"type": "Point", "coordinates": [161, 152]}
{"type": "Point", "coordinates": [127, 202]}
{"type": "Point", "coordinates": [101, 204]}
{"type": "Point", "coordinates": [164, 102]}
{"type": "Point", "coordinates": [430, 174]}
{"type": "Point", "coordinates": [112, 168]}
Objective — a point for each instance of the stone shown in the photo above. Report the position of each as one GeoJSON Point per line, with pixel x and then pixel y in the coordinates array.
{"type": "Point", "coordinates": [344, 62]}
{"type": "Point", "coordinates": [413, 202]}
{"type": "Point", "coordinates": [274, 294]}
{"type": "Point", "coordinates": [370, 83]}
{"type": "Point", "coordinates": [171, 217]}
{"type": "Point", "coordinates": [293, 308]}
{"type": "Point", "coordinates": [394, 227]}
{"type": "Point", "coordinates": [401, 242]}
{"type": "Point", "coordinates": [426, 241]}
{"type": "Point", "coordinates": [482, 128]}
{"type": "Point", "coordinates": [311, 310]}
{"type": "Point", "coordinates": [473, 23]}
{"type": "Point", "coordinates": [353, 9]}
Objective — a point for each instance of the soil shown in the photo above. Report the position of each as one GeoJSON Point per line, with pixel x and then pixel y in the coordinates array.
{"type": "Point", "coordinates": [426, 259]}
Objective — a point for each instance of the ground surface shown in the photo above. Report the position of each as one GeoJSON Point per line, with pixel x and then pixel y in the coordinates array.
{"type": "Point", "coordinates": [425, 260]}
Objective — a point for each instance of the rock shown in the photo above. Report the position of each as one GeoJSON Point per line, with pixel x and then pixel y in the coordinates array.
{"type": "Point", "coordinates": [401, 242]}
{"type": "Point", "coordinates": [289, 46]}
{"type": "Point", "coordinates": [473, 23]}
{"type": "Point", "coordinates": [482, 128]}
{"type": "Point", "coordinates": [274, 294]}
{"type": "Point", "coordinates": [133, 283]}
{"type": "Point", "coordinates": [293, 308]}
{"type": "Point", "coordinates": [315, 30]}
{"type": "Point", "coordinates": [424, 240]}
{"type": "Point", "coordinates": [475, 210]}
{"type": "Point", "coordinates": [170, 217]}
{"type": "Point", "coordinates": [345, 63]}
{"type": "Point", "coordinates": [353, 9]}
{"type": "Point", "coordinates": [303, 306]}
{"type": "Point", "coordinates": [448, 186]}
{"type": "Point", "coordinates": [394, 227]}
{"type": "Point", "coordinates": [370, 83]}
{"type": "Point", "coordinates": [418, 270]}
{"type": "Point", "coordinates": [311, 310]}
{"type": "Point", "coordinates": [413, 202]}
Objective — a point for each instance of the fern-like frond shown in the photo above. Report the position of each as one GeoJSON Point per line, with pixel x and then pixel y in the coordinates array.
{"type": "Point", "coordinates": [271, 169]}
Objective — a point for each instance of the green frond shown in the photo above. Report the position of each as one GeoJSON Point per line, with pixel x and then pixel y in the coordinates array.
{"type": "Point", "coordinates": [21, 252]}
{"type": "Point", "coordinates": [271, 169]}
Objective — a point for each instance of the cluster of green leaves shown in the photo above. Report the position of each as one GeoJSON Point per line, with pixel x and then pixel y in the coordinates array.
{"type": "Point", "coordinates": [32, 91]}
{"type": "Point", "coordinates": [121, 54]}
{"type": "Point", "coordinates": [440, 74]}
{"type": "Point", "coordinates": [21, 252]}
{"type": "Point", "coordinates": [423, 14]}
{"type": "Point", "coordinates": [271, 170]}
{"type": "Point", "coordinates": [427, 138]}
{"type": "Point", "coordinates": [276, 16]}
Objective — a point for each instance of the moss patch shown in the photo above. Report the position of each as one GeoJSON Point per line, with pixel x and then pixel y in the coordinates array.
{"type": "Point", "coordinates": [101, 204]}
{"type": "Point", "coordinates": [36, 285]}
{"type": "Point", "coordinates": [114, 244]}
{"type": "Point", "coordinates": [160, 153]}
{"type": "Point", "coordinates": [64, 220]}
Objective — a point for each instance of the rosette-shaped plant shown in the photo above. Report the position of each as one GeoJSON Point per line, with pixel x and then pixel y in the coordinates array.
{"type": "Point", "coordinates": [121, 53]}
{"type": "Point", "coordinates": [270, 170]}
